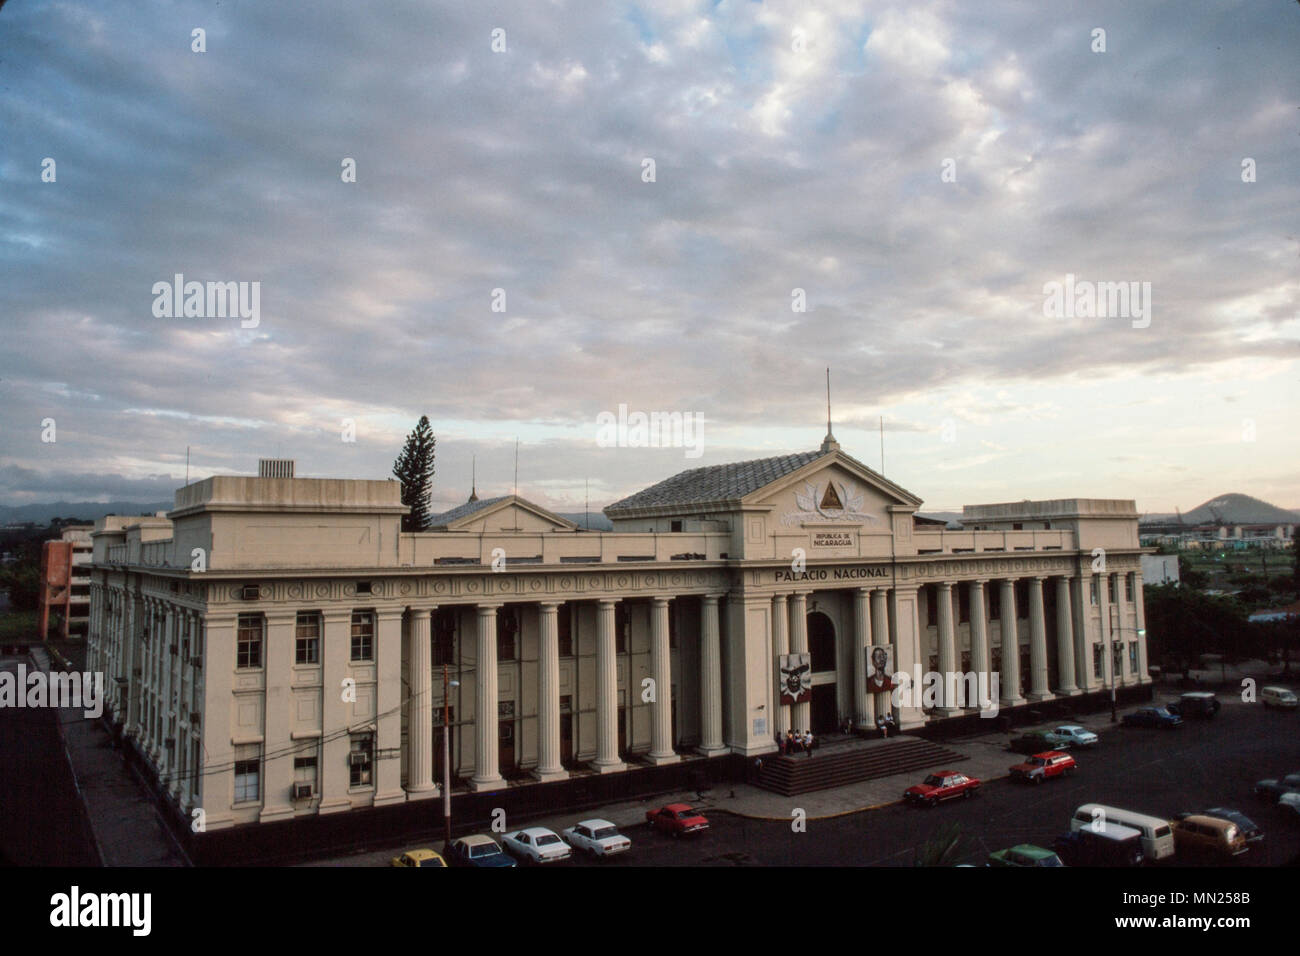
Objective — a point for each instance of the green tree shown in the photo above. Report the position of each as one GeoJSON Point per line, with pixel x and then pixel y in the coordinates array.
{"type": "Point", "coordinates": [414, 469]}
{"type": "Point", "coordinates": [22, 580]}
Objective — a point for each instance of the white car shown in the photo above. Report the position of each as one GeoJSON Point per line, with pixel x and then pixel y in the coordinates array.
{"type": "Point", "coordinates": [1071, 735]}
{"type": "Point", "coordinates": [1290, 801]}
{"type": "Point", "coordinates": [537, 845]}
{"type": "Point", "coordinates": [1277, 697]}
{"type": "Point", "coordinates": [597, 837]}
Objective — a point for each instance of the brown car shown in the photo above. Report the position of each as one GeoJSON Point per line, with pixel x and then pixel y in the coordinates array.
{"type": "Point", "coordinates": [1211, 836]}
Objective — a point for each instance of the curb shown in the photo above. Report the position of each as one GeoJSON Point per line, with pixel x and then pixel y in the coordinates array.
{"type": "Point", "coordinates": [832, 816]}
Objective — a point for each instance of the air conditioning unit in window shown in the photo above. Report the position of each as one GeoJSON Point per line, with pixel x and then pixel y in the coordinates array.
{"type": "Point", "coordinates": [302, 791]}
{"type": "Point", "coordinates": [358, 759]}
{"type": "Point", "coordinates": [250, 592]}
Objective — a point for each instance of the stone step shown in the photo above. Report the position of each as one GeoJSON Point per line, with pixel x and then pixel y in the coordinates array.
{"type": "Point", "coordinates": [868, 760]}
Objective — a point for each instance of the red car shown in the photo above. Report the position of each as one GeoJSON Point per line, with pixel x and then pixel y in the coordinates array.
{"type": "Point", "coordinates": [1039, 767]}
{"type": "Point", "coordinates": [677, 818]}
{"type": "Point", "coordinates": [942, 785]}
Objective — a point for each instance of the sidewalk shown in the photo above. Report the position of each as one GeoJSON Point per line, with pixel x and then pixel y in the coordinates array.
{"type": "Point", "coordinates": [123, 816]}
{"type": "Point", "coordinates": [989, 759]}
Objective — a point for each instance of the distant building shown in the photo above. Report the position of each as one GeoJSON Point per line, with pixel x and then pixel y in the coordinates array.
{"type": "Point", "coordinates": [65, 582]}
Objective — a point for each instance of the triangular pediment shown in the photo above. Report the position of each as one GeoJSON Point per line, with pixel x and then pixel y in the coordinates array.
{"type": "Point", "coordinates": [507, 513]}
{"type": "Point", "coordinates": [834, 488]}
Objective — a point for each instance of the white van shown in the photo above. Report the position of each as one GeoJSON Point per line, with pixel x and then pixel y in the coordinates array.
{"type": "Point", "coordinates": [1157, 834]}
{"type": "Point", "coordinates": [1277, 697]}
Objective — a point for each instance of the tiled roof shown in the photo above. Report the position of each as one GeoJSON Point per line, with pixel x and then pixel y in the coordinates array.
{"type": "Point", "coordinates": [714, 483]}
{"type": "Point", "coordinates": [462, 511]}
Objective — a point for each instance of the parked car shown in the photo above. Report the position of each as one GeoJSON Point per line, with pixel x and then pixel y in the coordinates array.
{"type": "Point", "coordinates": [1100, 844]}
{"type": "Point", "coordinates": [1040, 767]}
{"type": "Point", "coordinates": [1272, 790]}
{"type": "Point", "coordinates": [598, 837]}
{"type": "Point", "coordinates": [1281, 697]}
{"type": "Point", "coordinates": [1290, 801]}
{"type": "Point", "coordinates": [1195, 704]}
{"type": "Point", "coordinates": [418, 858]}
{"type": "Point", "coordinates": [1024, 854]}
{"type": "Point", "coordinates": [1245, 824]}
{"type": "Point", "coordinates": [1034, 742]}
{"type": "Point", "coordinates": [478, 850]}
{"type": "Point", "coordinates": [1071, 736]}
{"type": "Point", "coordinates": [1151, 717]}
{"type": "Point", "coordinates": [1199, 834]}
{"type": "Point", "coordinates": [536, 845]}
{"type": "Point", "coordinates": [1156, 833]}
{"type": "Point", "coordinates": [944, 785]}
{"type": "Point", "coordinates": [677, 819]}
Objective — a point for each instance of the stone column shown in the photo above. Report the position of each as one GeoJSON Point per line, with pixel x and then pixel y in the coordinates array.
{"type": "Point", "coordinates": [1064, 639]}
{"type": "Point", "coordinates": [801, 714]}
{"type": "Point", "coordinates": [1083, 674]}
{"type": "Point", "coordinates": [661, 726]}
{"type": "Point", "coordinates": [1144, 675]}
{"type": "Point", "coordinates": [216, 786]}
{"type": "Point", "coordinates": [419, 727]}
{"type": "Point", "coordinates": [781, 645]}
{"type": "Point", "coordinates": [548, 696]}
{"type": "Point", "coordinates": [947, 649]}
{"type": "Point", "coordinates": [864, 715]}
{"type": "Point", "coordinates": [277, 767]}
{"type": "Point", "coordinates": [487, 773]}
{"type": "Point", "coordinates": [388, 706]}
{"type": "Point", "coordinates": [710, 679]}
{"type": "Point", "coordinates": [1010, 644]}
{"type": "Point", "coordinates": [607, 759]}
{"type": "Point", "coordinates": [907, 652]}
{"type": "Point", "coordinates": [979, 628]}
{"type": "Point", "coordinates": [1109, 678]}
{"type": "Point", "coordinates": [880, 703]}
{"type": "Point", "coordinates": [1038, 689]}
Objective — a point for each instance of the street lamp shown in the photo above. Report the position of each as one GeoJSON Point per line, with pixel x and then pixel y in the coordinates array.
{"type": "Point", "coordinates": [446, 756]}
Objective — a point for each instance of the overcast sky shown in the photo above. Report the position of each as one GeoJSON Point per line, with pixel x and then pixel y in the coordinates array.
{"type": "Point", "coordinates": [920, 170]}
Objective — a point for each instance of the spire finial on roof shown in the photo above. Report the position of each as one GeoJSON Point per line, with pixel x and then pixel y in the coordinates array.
{"type": "Point", "coordinates": [473, 478]}
{"type": "Point", "coordinates": [829, 443]}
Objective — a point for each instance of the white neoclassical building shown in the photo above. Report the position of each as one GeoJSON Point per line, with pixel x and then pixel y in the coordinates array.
{"type": "Point", "coordinates": [277, 647]}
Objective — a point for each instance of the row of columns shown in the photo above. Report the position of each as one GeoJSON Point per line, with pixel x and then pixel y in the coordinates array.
{"type": "Point", "coordinates": [487, 775]}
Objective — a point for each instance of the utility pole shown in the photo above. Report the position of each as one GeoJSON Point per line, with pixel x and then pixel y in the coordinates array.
{"type": "Point", "coordinates": [446, 757]}
{"type": "Point", "coordinates": [1110, 664]}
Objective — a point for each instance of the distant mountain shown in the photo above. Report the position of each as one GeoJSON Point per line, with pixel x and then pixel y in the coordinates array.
{"type": "Point", "coordinates": [1230, 509]}
{"type": "Point", "coordinates": [43, 514]}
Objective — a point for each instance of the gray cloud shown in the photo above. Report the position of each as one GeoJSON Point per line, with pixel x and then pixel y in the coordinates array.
{"type": "Point", "coordinates": [522, 171]}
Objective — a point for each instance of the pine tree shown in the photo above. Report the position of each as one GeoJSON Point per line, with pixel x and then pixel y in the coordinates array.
{"type": "Point", "coordinates": [414, 469]}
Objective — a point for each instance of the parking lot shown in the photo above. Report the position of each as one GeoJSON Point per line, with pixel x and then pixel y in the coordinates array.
{"type": "Point", "coordinates": [1203, 763]}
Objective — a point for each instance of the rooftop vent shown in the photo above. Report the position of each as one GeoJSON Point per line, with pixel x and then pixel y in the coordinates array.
{"type": "Point", "coordinates": [275, 468]}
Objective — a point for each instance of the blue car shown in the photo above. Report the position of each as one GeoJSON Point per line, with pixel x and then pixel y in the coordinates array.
{"type": "Point", "coordinates": [1151, 717]}
{"type": "Point", "coordinates": [478, 850]}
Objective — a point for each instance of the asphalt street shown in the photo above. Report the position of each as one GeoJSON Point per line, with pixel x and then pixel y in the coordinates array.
{"type": "Point", "coordinates": [1159, 772]}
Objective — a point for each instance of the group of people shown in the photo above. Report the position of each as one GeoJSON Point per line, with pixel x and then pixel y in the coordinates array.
{"type": "Point", "coordinates": [795, 740]}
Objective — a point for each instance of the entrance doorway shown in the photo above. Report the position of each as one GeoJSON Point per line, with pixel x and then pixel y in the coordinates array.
{"type": "Point", "coordinates": [821, 642]}
{"type": "Point", "coordinates": [506, 747]}
{"type": "Point", "coordinates": [825, 717]}
{"type": "Point", "coordinates": [825, 714]}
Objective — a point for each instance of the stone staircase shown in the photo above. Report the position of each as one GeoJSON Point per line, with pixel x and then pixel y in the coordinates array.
{"type": "Point", "coordinates": [851, 761]}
